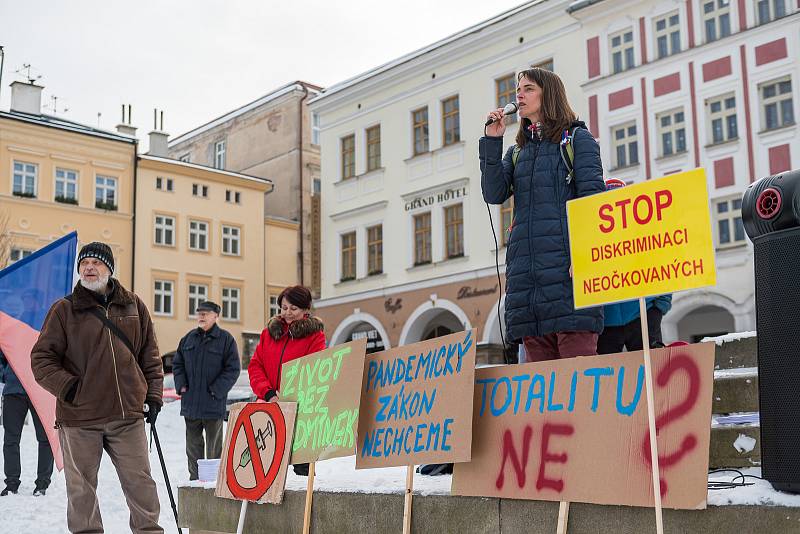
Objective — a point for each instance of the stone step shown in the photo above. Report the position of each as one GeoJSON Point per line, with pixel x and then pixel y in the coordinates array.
{"type": "Point", "coordinates": [735, 350]}
{"type": "Point", "coordinates": [341, 512]}
{"type": "Point", "coordinates": [735, 390]}
{"type": "Point", "coordinates": [735, 446]}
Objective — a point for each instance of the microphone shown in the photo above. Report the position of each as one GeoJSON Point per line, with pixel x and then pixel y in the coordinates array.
{"type": "Point", "coordinates": [509, 109]}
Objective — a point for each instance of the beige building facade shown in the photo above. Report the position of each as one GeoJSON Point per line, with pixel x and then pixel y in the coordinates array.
{"type": "Point", "coordinates": [274, 138]}
{"type": "Point", "coordinates": [58, 176]}
{"type": "Point", "coordinates": [200, 236]}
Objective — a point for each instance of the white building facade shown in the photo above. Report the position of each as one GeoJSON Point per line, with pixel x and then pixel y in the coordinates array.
{"type": "Point", "coordinates": [407, 247]}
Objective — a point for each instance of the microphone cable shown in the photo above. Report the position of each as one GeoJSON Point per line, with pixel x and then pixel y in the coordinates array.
{"type": "Point", "coordinates": [506, 355]}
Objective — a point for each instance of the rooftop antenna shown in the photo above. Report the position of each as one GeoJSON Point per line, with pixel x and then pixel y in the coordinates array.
{"type": "Point", "coordinates": [27, 68]}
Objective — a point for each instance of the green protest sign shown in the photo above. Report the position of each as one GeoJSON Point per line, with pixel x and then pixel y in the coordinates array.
{"type": "Point", "coordinates": [326, 386]}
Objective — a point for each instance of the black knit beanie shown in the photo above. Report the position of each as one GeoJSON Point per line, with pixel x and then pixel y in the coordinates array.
{"type": "Point", "coordinates": [98, 250]}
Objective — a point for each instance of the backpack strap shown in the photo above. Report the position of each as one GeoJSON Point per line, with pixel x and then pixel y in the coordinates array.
{"type": "Point", "coordinates": [111, 326]}
{"type": "Point", "coordinates": [567, 150]}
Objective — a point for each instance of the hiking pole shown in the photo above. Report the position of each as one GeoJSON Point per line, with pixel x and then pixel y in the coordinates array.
{"type": "Point", "coordinates": [154, 434]}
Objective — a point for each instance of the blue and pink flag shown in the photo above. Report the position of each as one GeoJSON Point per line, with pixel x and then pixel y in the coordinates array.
{"type": "Point", "coordinates": [27, 290]}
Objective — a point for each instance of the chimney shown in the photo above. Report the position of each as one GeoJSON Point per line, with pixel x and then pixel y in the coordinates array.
{"type": "Point", "coordinates": [159, 139]}
{"type": "Point", "coordinates": [125, 127]}
{"type": "Point", "coordinates": [26, 98]}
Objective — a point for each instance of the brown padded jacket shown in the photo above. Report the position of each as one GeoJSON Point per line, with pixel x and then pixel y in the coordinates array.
{"type": "Point", "coordinates": [75, 346]}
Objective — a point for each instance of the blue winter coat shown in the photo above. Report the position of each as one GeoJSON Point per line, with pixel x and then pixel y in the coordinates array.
{"type": "Point", "coordinates": [208, 365]}
{"type": "Point", "coordinates": [538, 286]}
{"type": "Point", "coordinates": [622, 313]}
{"type": "Point", "coordinates": [7, 376]}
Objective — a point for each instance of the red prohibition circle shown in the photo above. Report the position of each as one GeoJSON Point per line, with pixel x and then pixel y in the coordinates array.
{"type": "Point", "coordinates": [264, 477]}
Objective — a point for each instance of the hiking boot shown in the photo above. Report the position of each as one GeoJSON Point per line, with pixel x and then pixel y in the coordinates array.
{"type": "Point", "coordinates": [39, 491]}
{"type": "Point", "coordinates": [8, 490]}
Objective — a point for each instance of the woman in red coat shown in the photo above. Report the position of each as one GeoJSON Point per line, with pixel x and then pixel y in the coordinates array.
{"type": "Point", "coordinates": [292, 334]}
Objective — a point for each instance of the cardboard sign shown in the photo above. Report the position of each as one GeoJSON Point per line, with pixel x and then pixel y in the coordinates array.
{"type": "Point", "coordinates": [256, 452]}
{"type": "Point", "coordinates": [327, 388]}
{"type": "Point", "coordinates": [645, 239]}
{"type": "Point", "coordinates": [576, 430]}
{"type": "Point", "coordinates": [416, 403]}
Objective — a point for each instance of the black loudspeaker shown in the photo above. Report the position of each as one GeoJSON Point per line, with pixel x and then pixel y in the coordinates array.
{"type": "Point", "coordinates": [770, 211]}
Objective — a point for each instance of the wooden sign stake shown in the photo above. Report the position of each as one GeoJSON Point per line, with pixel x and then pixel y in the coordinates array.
{"type": "Point", "coordinates": [651, 415]}
{"type": "Point", "coordinates": [409, 494]}
{"type": "Point", "coordinates": [242, 515]}
{"type": "Point", "coordinates": [563, 517]}
{"type": "Point", "coordinates": [309, 495]}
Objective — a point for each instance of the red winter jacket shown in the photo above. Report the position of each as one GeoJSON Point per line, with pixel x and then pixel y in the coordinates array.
{"type": "Point", "coordinates": [281, 343]}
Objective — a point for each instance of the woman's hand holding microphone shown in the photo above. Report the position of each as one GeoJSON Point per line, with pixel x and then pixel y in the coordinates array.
{"type": "Point", "coordinates": [498, 126]}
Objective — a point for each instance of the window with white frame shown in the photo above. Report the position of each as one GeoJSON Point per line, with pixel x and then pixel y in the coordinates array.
{"type": "Point", "coordinates": [199, 190]}
{"type": "Point", "coordinates": [776, 103]}
{"type": "Point", "coordinates": [219, 154]}
{"type": "Point", "coordinates": [506, 88]}
{"type": "Point", "coordinates": [422, 238]}
{"type": "Point", "coordinates": [728, 222]}
{"type": "Point", "coordinates": [162, 297]}
{"type": "Point", "coordinates": [198, 235]}
{"type": "Point", "coordinates": [668, 35]}
{"type": "Point", "coordinates": [234, 197]}
{"type": "Point", "coordinates": [66, 186]}
{"type": "Point", "coordinates": [348, 151]}
{"type": "Point", "coordinates": [164, 184]}
{"type": "Point", "coordinates": [419, 118]}
{"type": "Point", "coordinates": [230, 240]}
{"type": "Point", "coordinates": [315, 128]}
{"type": "Point", "coordinates": [716, 19]}
{"type": "Point", "coordinates": [274, 309]}
{"type": "Point", "coordinates": [621, 48]}
{"type": "Point", "coordinates": [25, 179]}
{"type": "Point", "coordinates": [454, 231]}
{"type": "Point", "coordinates": [348, 256]}
{"type": "Point", "coordinates": [164, 230]}
{"type": "Point", "coordinates": [769, 10]}
{"type": "Point", "coordinates": [547, 64]}
{"type": "Point", "coordinates": [625, 145]}
{"type": "Point", "coordinates": [230, 303]}
{"type": "Point", "coordinates": [451, 122]}
{"type": "Point", "coordinates": [105, 192]}
{"type": "Point", "coordinates": [17, 254]}
{"type": "Point", "coordinates": [375, 249]}
{"type": "Point", "coordinates": [721, 113]}
{"type": "Point", "coordinates": [373, 136]}
{"type": "Point", "coordinates": [671, 132]}
{"type": "Point", "coordinates": [197, 293]}
{"type": "Point", "coordinates": [506, 219]}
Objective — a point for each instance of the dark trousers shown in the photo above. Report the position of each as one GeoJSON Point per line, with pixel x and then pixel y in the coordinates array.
{"type": "Point", "coordinates": [559, 345]}
{"type": "Point", "coordinates": [629, 336]}
{"type": "Point", "coordinates": [196, 448]}
{"type": "Point", "coordinates": [15, 408]}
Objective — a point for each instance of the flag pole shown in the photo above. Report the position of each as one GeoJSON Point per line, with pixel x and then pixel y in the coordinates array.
{"type": "Point", "coordinates": [651, 415]}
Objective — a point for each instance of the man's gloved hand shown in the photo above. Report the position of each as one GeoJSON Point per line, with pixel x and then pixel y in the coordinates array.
{"type": "Point", "coordinates": [152, 412]}
{"type": "Point", "coordinates": [269, 395]}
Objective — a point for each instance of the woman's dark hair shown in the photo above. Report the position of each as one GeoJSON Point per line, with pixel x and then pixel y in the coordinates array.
{"type": "Point", "coordinates": [555, 113]}
{"type": "Point", "coordinates": [300, 296]}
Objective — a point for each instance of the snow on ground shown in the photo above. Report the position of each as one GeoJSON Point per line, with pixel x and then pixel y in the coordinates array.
{"type": "Point", "coordinates": [727, 338]}
{"type": "Point", "coordinates": [735, 373]}
{"type": "Point", "coordinates": [25, 513]}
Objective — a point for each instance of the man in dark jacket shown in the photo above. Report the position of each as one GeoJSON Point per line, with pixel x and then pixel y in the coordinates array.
{"type": "Point", "coordinates": [205, 367]}
{"type": "Point", "coordinates": [97, 354]}
{"type": "Point", "coordinates": [16, 405]}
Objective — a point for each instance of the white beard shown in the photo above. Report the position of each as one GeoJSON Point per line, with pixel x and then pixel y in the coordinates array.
{"type": "Point", "coordinates": [97, 286]}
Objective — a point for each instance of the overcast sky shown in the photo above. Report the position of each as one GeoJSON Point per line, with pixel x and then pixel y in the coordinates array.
{"type": "Point", "coordinates": [197, 59]}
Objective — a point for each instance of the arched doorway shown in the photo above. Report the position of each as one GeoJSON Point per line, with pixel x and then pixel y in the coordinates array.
{"type": "Point", "coordinates": [705, 321]}
{"type": "Point", "coordinates": [432, 320]}
{"type": "Point", "coordinates": [364, 330]}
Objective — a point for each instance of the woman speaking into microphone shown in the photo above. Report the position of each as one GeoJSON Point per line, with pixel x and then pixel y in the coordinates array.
{"type": "Point", "coordinates": [554, 159]}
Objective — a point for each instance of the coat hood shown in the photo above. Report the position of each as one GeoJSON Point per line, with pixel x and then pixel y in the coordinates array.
{"type": "Point", "coordinates": [298, 329]}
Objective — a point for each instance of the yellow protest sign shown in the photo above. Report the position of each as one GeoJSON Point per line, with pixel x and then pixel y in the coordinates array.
{"type": "Point", "coordinates": [645, 239]}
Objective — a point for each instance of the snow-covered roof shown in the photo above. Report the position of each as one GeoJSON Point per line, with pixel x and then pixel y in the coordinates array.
{"type": "Point", "coordinates": [422, 51]}
{"type": "Point", "coordinates": [191, 165]}
{"type": "Point", "coordinates": [66, 124]}
{"type": "Point", "coordinates": [580, 4]}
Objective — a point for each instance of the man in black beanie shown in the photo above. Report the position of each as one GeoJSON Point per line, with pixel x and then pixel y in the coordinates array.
{"type": "Point", "coordinates": [205, 367]}
{"type": "Point", "coordinates": [97, 353]}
